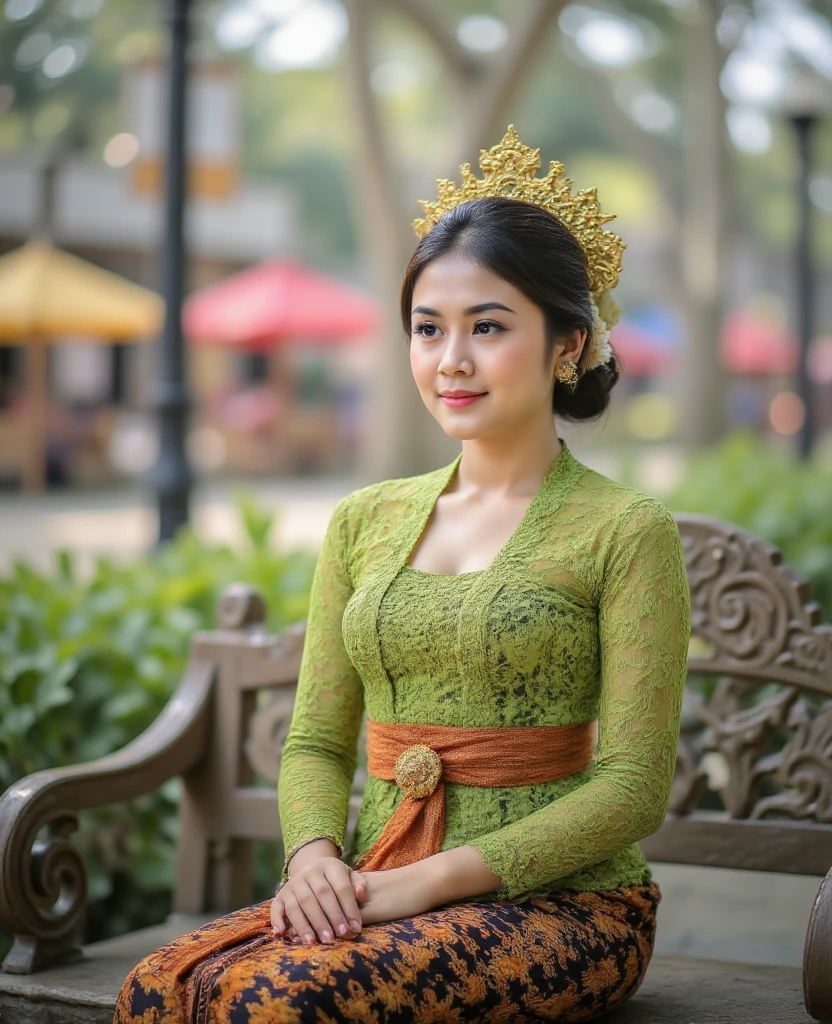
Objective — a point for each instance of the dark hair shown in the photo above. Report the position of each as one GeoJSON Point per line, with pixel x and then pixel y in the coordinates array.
{"type": "Point", "coordinates": [532, 250]}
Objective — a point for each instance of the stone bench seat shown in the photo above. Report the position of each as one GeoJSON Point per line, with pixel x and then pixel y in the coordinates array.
{"type": "Point", "coordinates": [676, 990]}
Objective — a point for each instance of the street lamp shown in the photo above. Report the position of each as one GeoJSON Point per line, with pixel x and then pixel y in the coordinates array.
{"type": "Point", "coordinates": [171, 476]}
{"type": "Point", "coordinates": [805, 101]}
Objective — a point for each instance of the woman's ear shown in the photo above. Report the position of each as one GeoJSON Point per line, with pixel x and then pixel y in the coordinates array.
{"type": "Point", "coordinates": [570, 346]}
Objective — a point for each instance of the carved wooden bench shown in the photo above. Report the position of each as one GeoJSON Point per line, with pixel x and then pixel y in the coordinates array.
{"type": "Point", "coordinates": [753, 790]}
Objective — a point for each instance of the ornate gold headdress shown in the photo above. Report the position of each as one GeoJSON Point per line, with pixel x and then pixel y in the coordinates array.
{"type": "Point", "coordinates": [509, 170]}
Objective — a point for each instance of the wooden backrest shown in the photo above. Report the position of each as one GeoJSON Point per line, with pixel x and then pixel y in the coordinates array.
{"type": "Point", "coordinates": [229, 798]}
{"type": "Point", "coordinates": [753, 785]}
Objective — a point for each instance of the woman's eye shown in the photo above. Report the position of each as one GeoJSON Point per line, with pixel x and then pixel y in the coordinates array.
{"type": "Point", "coordinates": [426, 329]}
{"type": "Point", "coordinates": [490, 327]}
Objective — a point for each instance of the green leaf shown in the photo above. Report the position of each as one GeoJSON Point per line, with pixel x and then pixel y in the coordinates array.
{"type": "Point", "coordinates": [257, 521]}
{"type": "Point", "coordinates": [66, 566]}
{"type": "Point", "coordinates": [87, 663]}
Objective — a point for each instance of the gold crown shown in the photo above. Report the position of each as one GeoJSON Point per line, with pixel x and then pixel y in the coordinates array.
{"type": "Point", "coordinates": [509, 170]}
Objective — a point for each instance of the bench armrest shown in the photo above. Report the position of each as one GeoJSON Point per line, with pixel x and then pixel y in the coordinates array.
{"type": "Point", "coordinates": [817, 957]}
{"type": "Point", "coordinates": [43, 879]}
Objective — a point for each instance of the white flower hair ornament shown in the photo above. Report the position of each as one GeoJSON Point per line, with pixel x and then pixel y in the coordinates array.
{"type": "Point", "coordinates": [599, 350]}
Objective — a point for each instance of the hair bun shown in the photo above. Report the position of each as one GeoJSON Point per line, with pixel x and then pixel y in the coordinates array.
{"type": "Point", "coordinates": [590, 396]}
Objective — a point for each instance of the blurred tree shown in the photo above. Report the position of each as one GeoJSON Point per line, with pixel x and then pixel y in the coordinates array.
{"type": "Point", "coordinates": [707, 220]}
{"type": "Point", "coordinates": [691, 169]}
{"type": "Point", "coordinates": [401, 440]}
{"type": "Point", "coordinates": [61, 61]}
{"type": "Point", "coordinates": [617, 90]}
{"type": "Point", "coordinates": [691, 166]}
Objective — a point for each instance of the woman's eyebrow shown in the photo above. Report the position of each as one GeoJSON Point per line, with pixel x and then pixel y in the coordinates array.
{"type": "Point", "coordinates": [483, 306]}
{"type": "Point", "coordinates": [470, 311]}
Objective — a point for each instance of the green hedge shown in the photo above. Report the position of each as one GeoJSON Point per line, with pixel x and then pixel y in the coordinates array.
{"type": "Point", "coordinates": [777, 497]}
{"type": "Point", "coordinates": [87, 664]}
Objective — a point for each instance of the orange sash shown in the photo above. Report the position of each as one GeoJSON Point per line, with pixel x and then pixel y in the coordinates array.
{"type": "Point", "coordinates": [419, 758]}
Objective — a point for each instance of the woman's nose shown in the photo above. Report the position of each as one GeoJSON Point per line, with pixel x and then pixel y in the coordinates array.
{"type": "Point", "coordinates": [454, 354]}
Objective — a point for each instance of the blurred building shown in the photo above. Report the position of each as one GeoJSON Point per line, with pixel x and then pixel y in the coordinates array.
{"type": "Point", "coordinates": [98, 213]}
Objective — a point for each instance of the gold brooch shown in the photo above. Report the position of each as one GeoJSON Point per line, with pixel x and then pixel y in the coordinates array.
{"type": "Point", "coordinates": [418, 770]}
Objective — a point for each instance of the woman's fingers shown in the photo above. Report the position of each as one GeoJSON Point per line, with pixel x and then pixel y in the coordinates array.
{"type": "Point", "coordinates": [277, 915]}
{"type": "Point", "coordinates": [359, 884]}
{"type": "Point", "coordinates": [312, 893]}
{"type": "Point", "coordinates": [295, 913]}
{"type": "Point", "coordinates": [350, 915]}
{"type": "Point", "coordinates": [324, 888]}
{"type": "Point", "coordinates": [321, 903]}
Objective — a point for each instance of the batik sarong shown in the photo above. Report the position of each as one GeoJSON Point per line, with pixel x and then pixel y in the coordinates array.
{"type": "Point", "coordinates": [569, 956]}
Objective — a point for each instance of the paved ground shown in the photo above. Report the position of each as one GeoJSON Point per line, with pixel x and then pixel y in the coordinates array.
{"type": "Point", "coordinates": [745, 916]}
{"type": "Point", "coordinates": [123, 524]}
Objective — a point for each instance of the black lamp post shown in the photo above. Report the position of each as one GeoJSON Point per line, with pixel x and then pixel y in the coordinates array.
{"type": "Point", "coordinates": [804, 103]}
{"type": "Point", "coordinates": [171, 476]}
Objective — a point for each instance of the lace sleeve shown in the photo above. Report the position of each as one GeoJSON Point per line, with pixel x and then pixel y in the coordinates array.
{"type": "Point", "coordinates": [320, 753]}
{"type": "Point", "coordinates": [644, 627]}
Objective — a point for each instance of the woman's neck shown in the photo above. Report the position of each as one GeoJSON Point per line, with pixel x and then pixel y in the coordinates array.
{"type": "Point", "coordinates": [514, 470]}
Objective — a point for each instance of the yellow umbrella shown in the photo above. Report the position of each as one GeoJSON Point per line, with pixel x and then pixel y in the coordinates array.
{"type": "Point", "coordinates": [47, 295]}
{"type": "Point", "coordinates": [45, 291]}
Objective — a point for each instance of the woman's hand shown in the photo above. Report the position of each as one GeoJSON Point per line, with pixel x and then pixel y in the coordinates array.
{"type": "Point", "coordinates": [400, 892]}
{"type": "Point", "coordinates": [396, 893]}
{"type": "Point", "coordinates": [319, 901]}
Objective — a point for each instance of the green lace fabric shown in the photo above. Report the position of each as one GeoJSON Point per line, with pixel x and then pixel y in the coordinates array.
{"type": "Point", "coordinates": [583, 614]}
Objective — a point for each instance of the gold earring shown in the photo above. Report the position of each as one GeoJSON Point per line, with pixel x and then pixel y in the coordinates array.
{"type": "Point", "coordinates": [567, 373]}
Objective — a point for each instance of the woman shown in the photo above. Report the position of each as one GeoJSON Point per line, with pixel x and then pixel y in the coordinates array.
{"type": "Point", "coordinates": [514, 626]}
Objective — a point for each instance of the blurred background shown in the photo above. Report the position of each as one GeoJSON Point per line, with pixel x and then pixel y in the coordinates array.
{"type": "Point", "coordinates": [313, 127]}
{"type": "Point", "coordinates": [309, 130]}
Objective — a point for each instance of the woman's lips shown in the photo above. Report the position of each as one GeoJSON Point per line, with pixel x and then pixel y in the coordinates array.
{"type": "Point", "coordinates": [458, 402]}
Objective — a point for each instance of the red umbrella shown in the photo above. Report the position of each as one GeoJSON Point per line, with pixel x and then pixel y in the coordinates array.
{"type": "Point", "coordinates": [751, 344]}
{"type": "Point", "coordinates": [642, 352]}
{"type": "Point", "coordinates": [275, 302]}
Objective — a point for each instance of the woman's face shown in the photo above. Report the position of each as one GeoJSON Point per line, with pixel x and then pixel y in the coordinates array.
{"type": "Point", "coordinates": [472, 331]}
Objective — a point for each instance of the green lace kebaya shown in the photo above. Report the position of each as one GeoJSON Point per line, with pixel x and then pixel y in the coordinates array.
{"type": "Point", "coordinates": [583, 614]}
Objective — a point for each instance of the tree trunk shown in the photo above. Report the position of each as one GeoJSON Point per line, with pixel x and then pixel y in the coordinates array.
{"type": "Point", "coordinates": [402, 438]}
{"type": "Point", "coordinates": [488, 97]}
{"type": "Point", "coordinates": [705, 232]}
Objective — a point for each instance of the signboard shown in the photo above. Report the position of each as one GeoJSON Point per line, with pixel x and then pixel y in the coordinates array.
{"type": "Point", "coordinates": [214, 127]}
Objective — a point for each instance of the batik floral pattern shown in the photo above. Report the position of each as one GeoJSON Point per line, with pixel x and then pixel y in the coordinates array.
{"type": "Point", "coordinates": [566, 957]}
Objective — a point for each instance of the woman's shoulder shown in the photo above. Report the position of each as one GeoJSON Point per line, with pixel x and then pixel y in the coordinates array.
{"type": "Point", "coordinates": [391, 495]}
{"type": "Point", "coordinates": [621, 502]}
{"type": "Point", "coordinates": [623, 510]}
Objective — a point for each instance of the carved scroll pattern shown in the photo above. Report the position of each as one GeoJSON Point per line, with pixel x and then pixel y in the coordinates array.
{"type": "Point", "coordinates": [754, 613]}
{"type": "Point", "coordinates": [47, 905]}
{"type": "Point", "coordinates": [267, 731]}
{"type": "Point", "coordinates": [778, 743]}
{"type": "Point", "coordinates": [769, 756]}
{"type": "Point", "coordinates": [803, 769]}
{"type": "Point", "coordinates": [43, 887]}
{"type": "Point", "coordinates": [689, 780]}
